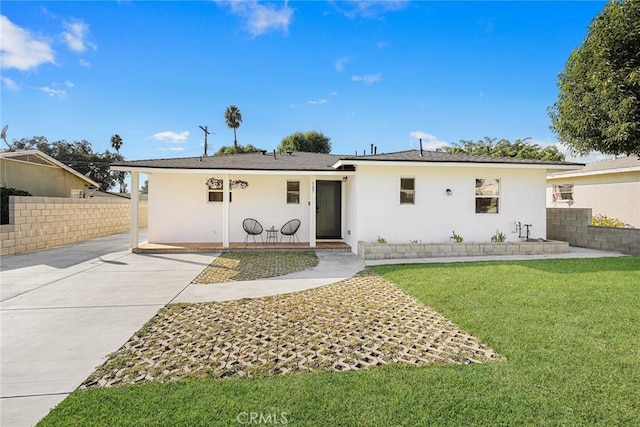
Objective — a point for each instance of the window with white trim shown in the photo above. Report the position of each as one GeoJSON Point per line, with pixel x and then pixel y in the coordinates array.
{"type": "Point", "coordinates": [562, 193]}
{"type": "Point", "coordinates": [293, 192]}
{"type": "Point", "coordinates": [487, 195]}
{"type": "Point", "coordinates": [407, 191]}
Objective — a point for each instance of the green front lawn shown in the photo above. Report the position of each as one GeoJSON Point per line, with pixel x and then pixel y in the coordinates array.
{"type": "Point", "coordinates": [568, 328]}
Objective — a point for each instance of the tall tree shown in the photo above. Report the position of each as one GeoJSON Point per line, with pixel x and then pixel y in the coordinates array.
{"type": "Point", "coordinates": [310, 141]}
{"type": "Point", "coordinates": [116, 143]}
{"type": "Point", "coordinates": [233, 118]}
{"type": "Point", "coordinates": [598, 107]}
{"type": "Point", "coordinates": [520, 148]}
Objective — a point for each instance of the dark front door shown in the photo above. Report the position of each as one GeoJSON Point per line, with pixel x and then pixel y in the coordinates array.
{"type": "Point", "coordinates": [328, 209]}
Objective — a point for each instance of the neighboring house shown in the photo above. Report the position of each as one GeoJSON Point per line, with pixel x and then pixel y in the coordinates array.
{"type": "Point", "coordinates": [609, 187]}
{"type": "Point", "coordinates": [403, 196]}
{"type": "Point", "coordinates": [42, 175]}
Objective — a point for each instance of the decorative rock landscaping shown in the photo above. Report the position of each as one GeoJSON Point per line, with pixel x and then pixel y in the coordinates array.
{"type": "Point", "coordinates": [358, 323]}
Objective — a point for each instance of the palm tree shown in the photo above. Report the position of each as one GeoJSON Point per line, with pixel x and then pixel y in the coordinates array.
{"type": "Point", "coordinates": [233, 118]}
{"type": "Point", "coordinates": [116, 142]}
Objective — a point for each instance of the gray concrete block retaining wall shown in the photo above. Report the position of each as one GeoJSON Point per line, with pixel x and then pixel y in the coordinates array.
{"type": "Point", "coordinates": [44, 222]}
{"type": "Point", "coordinates": [434, 250]}
{"type": "Point", "coordinates": [573, 225]}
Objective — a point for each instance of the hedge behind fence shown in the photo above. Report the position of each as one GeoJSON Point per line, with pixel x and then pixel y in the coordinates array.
{"type": "Point", "coordinates": [4, 201]}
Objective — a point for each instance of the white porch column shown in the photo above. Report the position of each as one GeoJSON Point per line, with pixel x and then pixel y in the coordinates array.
{"type": "Point", "coordinates": [312, 211]}
{"type": "Point", "coordinates": [135, 196]}
{"type": "Point", "coordinates": [225, 211]}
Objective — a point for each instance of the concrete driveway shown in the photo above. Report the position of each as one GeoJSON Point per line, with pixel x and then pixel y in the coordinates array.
{"type": "Point", "coordinates": [63, 310]}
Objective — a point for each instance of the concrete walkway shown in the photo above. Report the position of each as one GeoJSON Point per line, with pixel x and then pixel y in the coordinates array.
{"type": "Point", "coordinates": [63, 310]}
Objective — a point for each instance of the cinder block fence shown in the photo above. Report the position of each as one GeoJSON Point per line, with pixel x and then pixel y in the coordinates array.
{"type": "Point", "coordinates": [573, 225]}
{"type": "Point", "coordinates": [44, 222]}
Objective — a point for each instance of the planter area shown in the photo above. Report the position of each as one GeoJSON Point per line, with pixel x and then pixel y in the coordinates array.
{"type": "Point", "coordinates": [373, 251]}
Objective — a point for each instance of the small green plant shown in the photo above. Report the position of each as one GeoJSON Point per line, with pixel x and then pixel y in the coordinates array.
{"type": "Point", "coordinates": [604, 221]}
{"type": "Point", "coordinates": [382, 239]}
{"type": "Point", "coordinates": [499, 237]}
{"type": "Point", "coordinates": [456, 237]}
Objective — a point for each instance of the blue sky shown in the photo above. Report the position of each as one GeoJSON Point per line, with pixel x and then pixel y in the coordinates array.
{"type": "Point", "coordinates": [382, 73]}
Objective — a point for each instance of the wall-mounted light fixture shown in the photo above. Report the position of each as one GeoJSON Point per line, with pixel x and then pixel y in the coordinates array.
{"type": "Point", "coordinates": [449, 192]}
{"type": "Point", "coordinates": [344, 179]}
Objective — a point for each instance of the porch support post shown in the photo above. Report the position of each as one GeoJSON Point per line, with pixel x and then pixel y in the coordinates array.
{"type": "Point", "coordinates": [135, 196]}
{"type": "Point", "coordinates": [312, 211]}
{"type": "Point", "coordinates": [225, 211]}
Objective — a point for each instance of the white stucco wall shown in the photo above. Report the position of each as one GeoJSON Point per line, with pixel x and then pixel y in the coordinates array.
{"type": "Point", "coordinates": [179, 210]}
{"type": "Point", "coordinates": [435, 215]}
{"type": "Point", "coordinates": [614, 195]}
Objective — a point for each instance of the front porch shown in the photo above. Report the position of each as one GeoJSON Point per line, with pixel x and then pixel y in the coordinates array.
{"type": "Point", "coordinates": [156, 248]}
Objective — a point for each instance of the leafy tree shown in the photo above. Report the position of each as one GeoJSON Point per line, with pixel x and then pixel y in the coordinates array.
{"type": "Point", "coordinates": [311, 141]}
{"type": "Point", "coordinates": [598, 107]}
{"type": "Point", "coordinates": [520, 148]}
{"type": "Point", "coordinates": [145, 188]}
{"type": "Point", "coordinates": [78, 155]}
{"type": "Point", "coordinates": [233, 118]}
{"type": "Point", "coordinates": [239, 149]}
{"type": "Point", "coordinates": [116, 143]}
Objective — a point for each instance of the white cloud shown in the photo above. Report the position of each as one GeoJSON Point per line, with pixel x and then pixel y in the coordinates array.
{"type": "Point", "coordinates": [60, 93]}
{"type": "Point", "coordinates": [367, 78]}
{"type": "Point", "coordinates": [334, 93]}
{"type": "Point", "coordinates": [9, 84]}
{"type": "Point", "coordinates": [75, 36]}
{"type": "Point", "coordinates": [429, 141]}
{"type": "Point", "coordinates": [340, 63]}
{"type": "Point", "coordinates": [171, 149]}
{"type": "Point", "coordinates": [318, 102]}
{"type": "Point", "coordinates": [21, 49]}
{"type": "Point", "coordinates": [368, 8]}
{"type": "Point", "coordinates": [171, 136]}
{"type": "Point", "coordinates": [69, 84]}
{"type": "Point", "coordinates": [261, 18]}
{"type": "Point", "coordinates": [84, 63]}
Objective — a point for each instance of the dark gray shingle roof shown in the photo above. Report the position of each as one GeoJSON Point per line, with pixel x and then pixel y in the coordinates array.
{"type": "Point", "coordinates": [301, 161]}
{"type": "Point", "coordinates": [438, 156]}
{"type": "Point", "coordinates": [246, 161]}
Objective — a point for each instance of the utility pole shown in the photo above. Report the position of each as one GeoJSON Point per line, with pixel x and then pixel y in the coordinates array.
{"type": "Point", "coordinates": [206, 132]}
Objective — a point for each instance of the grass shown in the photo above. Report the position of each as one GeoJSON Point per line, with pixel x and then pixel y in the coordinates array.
{"type": "Point", "coordinates": [568, 328]}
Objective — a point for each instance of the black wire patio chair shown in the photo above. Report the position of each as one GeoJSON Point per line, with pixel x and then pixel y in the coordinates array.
{"type": "Point", "coordinates": [253, 228]}
{"type": "Point", "coordinates": [290, 228]}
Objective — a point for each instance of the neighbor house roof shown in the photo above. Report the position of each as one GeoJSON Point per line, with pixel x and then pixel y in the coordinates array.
{"type": "Point", "coordinates": [619, 165]}
{"type": "Point", "coordinates": [301, 161]}
{"type": "Point", "coordinates": [40, 158]}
